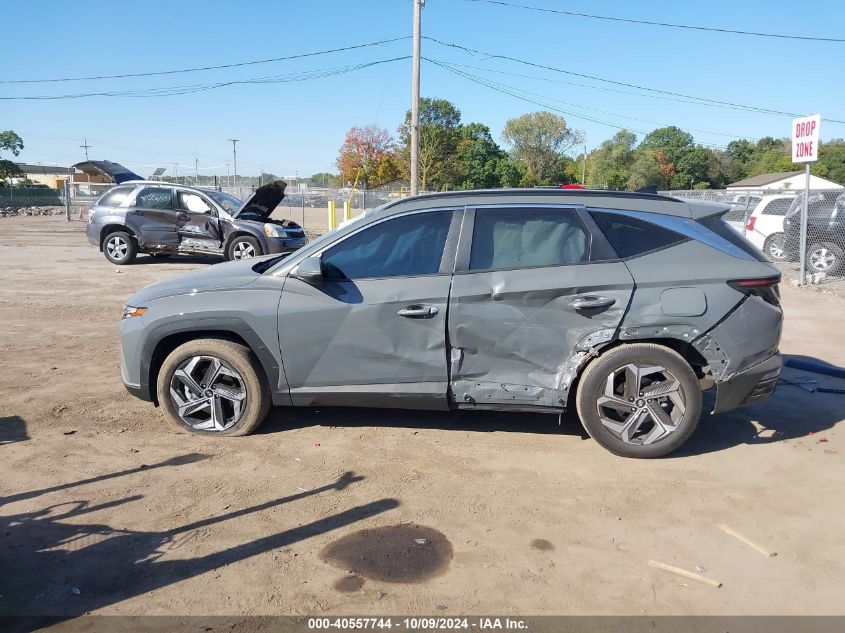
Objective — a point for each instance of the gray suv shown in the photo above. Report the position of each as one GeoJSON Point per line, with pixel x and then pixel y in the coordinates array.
{"type": "Point", "coordinates": [624, 305]}
{"type": "Point", "coordinates": [165, 219]}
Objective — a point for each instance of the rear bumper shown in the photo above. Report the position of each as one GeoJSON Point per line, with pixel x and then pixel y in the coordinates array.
{"type": "Point", "coordinates": [755, 383]}
{"type": "Point", "coordinates": [92, 232]}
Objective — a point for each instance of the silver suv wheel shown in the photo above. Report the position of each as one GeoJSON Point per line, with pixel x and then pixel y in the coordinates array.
{"type": "Point", "coordinates": [117, 246]}
{"type": "Point", "coordinates": [243, 250]}
{"type": "Point", "coordinates": [208, 393]}
{"type": "Point", "coordinates": [641, 404]}
{"type": "Point", "coordinates": [822, 259]}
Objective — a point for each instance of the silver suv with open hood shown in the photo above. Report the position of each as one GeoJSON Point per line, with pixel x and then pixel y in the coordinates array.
{"type": "Point", "coordinates": [164, 219]}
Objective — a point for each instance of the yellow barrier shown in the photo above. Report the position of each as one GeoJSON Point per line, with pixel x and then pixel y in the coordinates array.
{"type": "Point", "coordinates": [347, 211]}
{"type": "Point", "coordinates": [332, 214]}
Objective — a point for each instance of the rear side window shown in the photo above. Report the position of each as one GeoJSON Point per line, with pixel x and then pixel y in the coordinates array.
{"type": "Point", "coordinates": [522, 238]}
{"type": "Point", "coordinates": [778, 207]}
{"type": "Point", "coordinates": [406, 246]}
{"type": "Point", "coordinates": [115, 197]}
{"type": "Point", "coordinates": [716, 224]}
{"type": "Point", "coordinates": [630, 236]}
{"type": "Point", "coordinates": [155, 198]}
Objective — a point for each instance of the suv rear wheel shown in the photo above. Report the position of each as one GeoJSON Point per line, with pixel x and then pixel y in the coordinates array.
{"type": "Point", "coordinates": [775, 247]}
{"type": "Point", "coordinates": [639, 400]}
{"type": "Point", "coordinates": [824, 257]}
{"type": "Point", "coordinates": [119, 248]}
{"type": "Point", "coordinates": [213, 387]}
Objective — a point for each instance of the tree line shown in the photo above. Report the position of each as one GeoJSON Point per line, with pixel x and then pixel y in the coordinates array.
{"type": "Point", "coordinates": [540, 148]}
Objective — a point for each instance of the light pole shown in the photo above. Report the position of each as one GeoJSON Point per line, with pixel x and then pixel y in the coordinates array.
{"type": "Point", "coordinates": [228, 175]}
{"type": "Point", "coordinates": [415, 102]}
{"type": "Point", "coordinates": [235, 159]}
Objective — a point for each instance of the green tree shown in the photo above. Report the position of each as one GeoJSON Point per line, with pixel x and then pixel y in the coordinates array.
{"type": "Point", "coordinates": [477, 157]}
{"type": "Point", "coordinates": [9, 142]}
{"type": "Point", "coordinates": [538, 139]}
{"type": "Point", "coordinates": [831, 164]}
{"type": "Point", "coordinates": [645, 170]}
{"type": "Point", "coordinates": [609, 165]}
{"type": "Point", "coordinates": [368, 155]}
{"type": "Point", "coordinates": [509, 172]}
{"type": "Point", "coordinates": [325, 179]}
{"type": "Point", "coordinates": [439, 127]}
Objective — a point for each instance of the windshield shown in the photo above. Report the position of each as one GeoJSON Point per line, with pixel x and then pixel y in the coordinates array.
{"type": "Point", "coordinates": [229, 203]}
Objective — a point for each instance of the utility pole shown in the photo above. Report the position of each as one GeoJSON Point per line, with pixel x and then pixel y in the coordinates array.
{"type": "Point", "coordinates": [197, 170]}
{"type": "Point", "coordinates": [85, 146]}
{"type": "Point", "coordinates": [415, 102]}
{"type": "Point", "coordinates": [584, 168]}
{"type": "Point", "coordinates": [235, 158]}
{"type": "Point", "coordinates": [228, 175]}
{"type": "Point", "coordinates": [176, 172]}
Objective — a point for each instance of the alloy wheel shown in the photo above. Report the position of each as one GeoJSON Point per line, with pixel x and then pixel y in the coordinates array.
{"type": "Point", "coordinates": [822, 259]}
{"type": "Point", "coordinates": [243, 250]}
{"type": "Point", "coordinates": [117, 247]}
{"type": "Point", "coordinates": [642, 404]}
{"type": "Point", "coordinates": [776, 248]}
{"type": "Point", "coordinates": [208, 393]}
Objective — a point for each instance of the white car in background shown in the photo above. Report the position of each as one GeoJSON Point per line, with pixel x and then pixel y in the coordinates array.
{"type": "Point", "coordinates": [764, 227]}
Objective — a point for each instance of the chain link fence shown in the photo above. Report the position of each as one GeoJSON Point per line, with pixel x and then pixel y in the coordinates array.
{"type": "Point", "coordinates": [771, 220]}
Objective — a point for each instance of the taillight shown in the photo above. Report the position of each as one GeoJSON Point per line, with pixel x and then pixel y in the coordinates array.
{"type": "Point", "coordinates": [766, 288]}
{"type": "Point", "coordinates": [749, 226]}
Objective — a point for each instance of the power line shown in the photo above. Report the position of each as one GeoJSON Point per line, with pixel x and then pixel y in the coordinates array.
{"type": "Point", "coordinates": [690, 27]}
{"type": "Point", "coordinates": [204, 68]}
{"type": "Point", "coordinates": [515, 92]}
{"type": "Point", "coordinates": [448, 66]}
{"type": "Point", "coordinates": [702, 100]}
{"type": "Point", "coordinates": [193, 88]}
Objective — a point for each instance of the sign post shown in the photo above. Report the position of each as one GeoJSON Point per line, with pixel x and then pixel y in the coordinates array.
{"type": "Point", "coordinates": [805, 149]}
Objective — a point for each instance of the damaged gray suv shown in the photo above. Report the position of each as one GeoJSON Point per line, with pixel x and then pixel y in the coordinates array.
{"type": "Point", "coordinates": [624, 305]}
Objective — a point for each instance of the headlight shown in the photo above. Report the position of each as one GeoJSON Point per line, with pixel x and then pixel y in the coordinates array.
{"type": "Point", "coordinates": [131, 311]}
{"type": "Point", "coordinates": [274, 230]}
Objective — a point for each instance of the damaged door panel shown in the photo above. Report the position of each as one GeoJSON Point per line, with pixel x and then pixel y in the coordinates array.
{"type": "Point", "coordinates": [527, 298]}
{"type": "Point", "coordinates": [154, 213]}
{"type": "Point", "coordinates": [198, 227]}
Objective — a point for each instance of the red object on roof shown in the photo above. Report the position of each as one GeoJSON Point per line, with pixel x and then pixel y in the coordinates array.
{"type": "Point", "coordinates": [572, 187]}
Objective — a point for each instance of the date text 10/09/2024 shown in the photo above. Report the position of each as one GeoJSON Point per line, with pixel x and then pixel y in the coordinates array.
{"type": "Point", "coordinates": [419, 623]}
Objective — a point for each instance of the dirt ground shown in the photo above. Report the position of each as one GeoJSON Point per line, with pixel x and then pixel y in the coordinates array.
{"type": "Point", "coordinates": [103, 509]}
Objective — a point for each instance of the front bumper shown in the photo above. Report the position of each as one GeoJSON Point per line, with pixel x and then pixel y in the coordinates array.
{"type": "Point", "coordinates": [284, 245]}
{"type": "Point", "coordinates": [755, 383]}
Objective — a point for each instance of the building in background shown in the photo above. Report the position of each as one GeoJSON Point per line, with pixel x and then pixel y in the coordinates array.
{"type": "Point", "coordinates": [783, 180]}
{"type": "Point", "coordinates": [51, 176]}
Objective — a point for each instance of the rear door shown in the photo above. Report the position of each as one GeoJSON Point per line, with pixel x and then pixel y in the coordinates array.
{"type": "Point", "coordinates": [154, 211]}
{"type": "Point", "coordinates": [197, 223]}
{"type": "Point", "coordinates": [532, 286]}
{"type": "Point", "coordinates": [373, 331]}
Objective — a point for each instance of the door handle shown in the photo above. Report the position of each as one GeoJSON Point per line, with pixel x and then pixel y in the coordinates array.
{"type": "Point", "coordinates": [418, 312]}
{"type": "Point", "coordinates": [591, 302]}
{"type": "Point", "coordinates": [183, 216]}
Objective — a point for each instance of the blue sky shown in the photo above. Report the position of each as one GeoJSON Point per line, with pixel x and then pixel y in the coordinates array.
{"type": "Point", "coordinates": [297, 127]}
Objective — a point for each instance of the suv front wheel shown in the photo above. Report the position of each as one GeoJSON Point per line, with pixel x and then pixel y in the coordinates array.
{"type": "Point", "coordinates": [639, 400]}
{"type": "Point", "coordinates": [213, 387]}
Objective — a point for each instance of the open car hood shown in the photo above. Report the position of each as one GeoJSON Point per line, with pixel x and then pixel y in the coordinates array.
{"type": "Point", "coordinates": [115, 171]}
{"type": "Point", "coordinates": [262, 202]}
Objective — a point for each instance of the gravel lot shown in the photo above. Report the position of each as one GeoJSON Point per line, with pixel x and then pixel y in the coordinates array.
{"type": "Point", "coordinates": [103, 509]}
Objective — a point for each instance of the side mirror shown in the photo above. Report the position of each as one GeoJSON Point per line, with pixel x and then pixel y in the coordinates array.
{"type": "Point", "coordinates": [309, 270]}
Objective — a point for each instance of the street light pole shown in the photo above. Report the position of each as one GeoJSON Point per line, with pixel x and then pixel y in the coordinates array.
{"type": "Point", "coordinates": [235, 159]}
{"type": "Point", "coordinates": [415, 102]}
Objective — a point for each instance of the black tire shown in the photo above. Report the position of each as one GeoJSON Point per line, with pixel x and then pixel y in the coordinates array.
{"type": "Point", "coordinates": [825, 257]}
{"type": "Point", "coordinates": [243, 244]}
{"type": "Point", "coordinates": [592, 385]}
{"type": "Point", "coordinates": [120, 248]}
{"type": "Point", "coordinates": [775, 247]}
{"type": "Point", "coordinates": [252, 382]}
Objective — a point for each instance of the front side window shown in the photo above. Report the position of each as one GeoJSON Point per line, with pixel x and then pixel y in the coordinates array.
{"type": "Point", "coordinates": [192, 203]}
{"type": "Point", "coordinates": [521, 238]}
{"type": "Point", "coordinates": [155, 198]}
{"type": "Point", "coordinates": [115, 197]}
{"type": "Point", "coordinates": [405, 246]}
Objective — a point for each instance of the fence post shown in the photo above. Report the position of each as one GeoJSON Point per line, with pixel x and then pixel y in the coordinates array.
{"type": "Point", "coordinates": [67, 200]}
{"type": "Point", "coordinates": [347, 210]}
{"type": "Point", "coordinates": [802, 247]}
{"type": "Point", "coordinates": [332, 211]}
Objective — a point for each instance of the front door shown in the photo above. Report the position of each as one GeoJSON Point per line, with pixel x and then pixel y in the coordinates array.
{"type": "Point", "coordinates": [528, 291]}
{"type": "Point", "coordinates": [197, 225]}
{"type": "Point", "coordinates": [373, 331]}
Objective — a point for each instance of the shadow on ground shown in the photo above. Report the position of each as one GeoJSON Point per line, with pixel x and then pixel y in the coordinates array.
{"type": "Point", "coordinates": [12, 429]}
{"type": "Point", "coordinates": [149, 260]}
{"type": "Point", "coordinates": [56, 565]}
{"type": "Point", "coordinates": [788, 414]}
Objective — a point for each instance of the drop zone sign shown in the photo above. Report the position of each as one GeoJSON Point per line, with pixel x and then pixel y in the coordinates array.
{"type": "Point", "coordinates": [805, 139]}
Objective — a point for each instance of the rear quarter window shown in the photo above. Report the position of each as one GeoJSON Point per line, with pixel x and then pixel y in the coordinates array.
{"type": "Point", "coordinates": [631, 237]}
{"type": "Point", "coordinates": [115, 197]}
